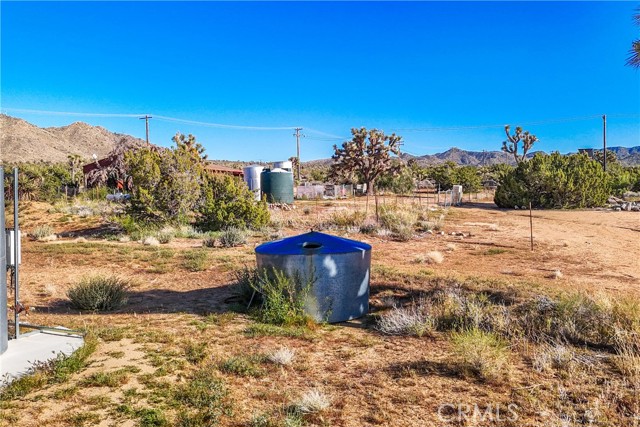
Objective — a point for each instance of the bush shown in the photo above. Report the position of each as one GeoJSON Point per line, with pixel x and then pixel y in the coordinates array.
{"type": "Point", "coordinates": [42, 232]}
{"type": "Point", "coordinates": [483, 354]}
{"type": "Point", "coordinates": [347, 218]}
{"type": "Point", "coordinates": [164, 237]}
{"type": "Point", "coordinates": [209, 242]}
{"type": "Point", "coordinates": [413, 320]}
{"type": "Point", "coordinates": [99, 293]}
{"type": "Point", "coordinates": [245, 285]}
{"type": "Point", "coordinates": [195, 260]}
{"type": "Point", "coordinates": [242, 366]}
{"type": "Point", "coordinates": [554, 181]}
{"type": "Point", "coordinates": [313, 401]}
{"type": "Point", "coordinates": [399, 222]}
{"type": "Point", "coordinates": [228, 202]}
{"type": "Point", "coordinates": [232, 236]}
{"type": "Point", "coordinates": [282, 356]}
{"type": "Point", "coordinates": [283, 298]}
{"type": "Point", "coordinates": [203, 397]}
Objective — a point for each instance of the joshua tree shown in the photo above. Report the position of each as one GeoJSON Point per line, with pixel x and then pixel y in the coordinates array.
{"type": "Point", "coordinates": [511, 145]}
{"type": "Point", "coordinates": [367, 156]}
{"type": "Point", "coordinates": [634, 52]}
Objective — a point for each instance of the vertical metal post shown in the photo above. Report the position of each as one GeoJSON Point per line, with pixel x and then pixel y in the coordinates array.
{"type": "Point", "coordinates": [16, 245]}
{"type": "Point", "coordinates": [531, 225]}
{"type": "Point", "coordinates": [4, 330]}
{"type": "Point", "coordinates": [604, 141]}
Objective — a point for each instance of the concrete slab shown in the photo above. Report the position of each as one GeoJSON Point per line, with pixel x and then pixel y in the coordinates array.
{"type": "Point", "coordinates": [34, 347]}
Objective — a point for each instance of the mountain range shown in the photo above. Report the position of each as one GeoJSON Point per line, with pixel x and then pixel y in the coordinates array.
{"type": "Point", "coordinates": [21, 141]}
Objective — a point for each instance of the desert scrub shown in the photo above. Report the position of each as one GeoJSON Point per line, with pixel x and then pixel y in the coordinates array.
{"type": "Point", "coordinates": [398, 221]}
{"type": "Point", "coordinates": [202, 399]}
{"type": "Point", "coordinates": [347, 219]}
{"type": "Point", "coordinates": [282, 298]}
{"type": "Point", "coordinates": [415, 319]}
{"type": "Point", "coordinates": [482, 354]}
{"type": "Point", "coordinates": [232, 236]}
{"type": "Point", "coordinates": [42, 232]}
{"type": "Point", "coordinates": [99, 293]}
{"type": "Point", "coordinates": [164, 237]}
{"type": "Point", "coordinates": [244, 366]}
{"type": "Point", "coordinates": [195, 260]}
{"type": "Point", "coordinates": [209, 242]}
{"type": "Point", "coordinates": [282, 356]}
{"type": "Point", "coordinates": [312, 401]}
{"type": "Point", "coordinates": [245, 284]}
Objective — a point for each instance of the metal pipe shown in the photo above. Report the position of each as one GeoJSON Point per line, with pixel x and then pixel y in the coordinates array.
{"type": "Point", "coordinates": [52, 329]}
{"type": "Point", "coordinates": [4, 330]}
{"type": "Point", "coordinates": [16, 241]}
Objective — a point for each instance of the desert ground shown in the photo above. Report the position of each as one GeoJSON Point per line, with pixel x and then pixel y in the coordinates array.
{"type": "Point", "coordinates": [179, 321]}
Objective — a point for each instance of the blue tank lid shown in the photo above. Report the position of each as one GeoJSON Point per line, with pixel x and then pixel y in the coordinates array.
{"type": "Point", "coordinates": [312, 243]}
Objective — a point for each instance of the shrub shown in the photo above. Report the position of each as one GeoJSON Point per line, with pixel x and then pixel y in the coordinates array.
{"type": "Point", "coordinates": [283, 298]}
{"type": "Point", "coordinates": [282, 356]}
{"type": "Point", "coordinates": [232, 236]}
{"type": "Point", "coordinates": [347, 218]}
{"type": "Point", "coordinates": [483, 354]}
{"type": "Point", "coordinates": [164, 237]}
{"type": "Point", "coordinates": [203, 397]}
{"type": "Point", "coordinates": [399, 222]}
{"type": "Point", "coordinates": [554, 356]}
{"type": "Point", "coordinates": [313, 401]}
{"type": "Point", "coordinates": [42, 232]}
{"type": "Point", "coordinates": [228, 202]}
{"type": "Point", "coordinates": [242, 366]}
{"type": "Point", "coordinates": [150, 241]}
{"type": "Point", "coordinates": [554, 181]}
{"type": "Point", "coordinates": [413, 320]}
{"type": "Point", "coordinates": [195, 260]}
{"type": "Point", "coordinates": [435, 257]}
{"type": "Point", "coordinates": [246, 284]}
{"type": "Point", "coordinates": [209, 242]}
{"type": "Point", "coordinates": [99, 293]}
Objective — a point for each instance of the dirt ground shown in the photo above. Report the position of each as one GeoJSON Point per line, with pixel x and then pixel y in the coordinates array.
{"type": "Point", "coordinates": [372, 379]}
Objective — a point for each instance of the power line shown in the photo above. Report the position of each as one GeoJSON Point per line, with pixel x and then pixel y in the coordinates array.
{"type": "Point", "coordinates": [68, 113]}
{"type": "Point", "coordinates": [223, 126]}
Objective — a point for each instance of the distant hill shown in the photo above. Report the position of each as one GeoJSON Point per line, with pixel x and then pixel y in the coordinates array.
{"type": "Point", "coordinates": [20, 141]}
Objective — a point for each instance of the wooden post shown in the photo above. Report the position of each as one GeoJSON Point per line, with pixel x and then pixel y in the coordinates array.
{"type": "Point", "coordinates": [376, 198]}
{"type": "Point", "coordinates": [531, 225]}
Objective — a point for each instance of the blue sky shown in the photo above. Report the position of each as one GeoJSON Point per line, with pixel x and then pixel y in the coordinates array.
{"type": "Point", "coordinates": [439, 74]}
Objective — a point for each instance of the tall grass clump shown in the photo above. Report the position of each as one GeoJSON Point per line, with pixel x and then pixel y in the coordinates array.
{"type": "Point", "coordinates": [42, 232]}
{"type": "Point", "coordinates": [99, 293]}
{"type": "Point", "coordinates": [312, 402]}
{"type": "Point", "coordinates": [482, 354]}
{"type": "Point", "coordinates": [415, 319]}
{"type": "Point", "coordinates": [347, 218]}
{"type": "Point", "coordinates": [399, 222]}
{"type": "Point", "coordinates": [282, 298]}
{"type": "Point", "coordinates": [282, 356]}
{"type": "Point", "coordinates": [232, 236]}
{"type": "Point", "coordinates": [203, 399]}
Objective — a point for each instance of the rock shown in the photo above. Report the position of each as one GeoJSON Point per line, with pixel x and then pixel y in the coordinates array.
{"type": "Point", "coordinates": [635, 208]}
{"type": "Point", "coordinates": [627, 207]}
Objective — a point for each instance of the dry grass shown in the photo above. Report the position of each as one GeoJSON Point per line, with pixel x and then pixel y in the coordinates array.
{"type": "Point", "coordinates": [435, 257]}
{"type": "Point", "coordinates": [415, 319]}
{"type": "Point", "coordinates": [312, 402]}
{"type": "Point", "coordinates": [483, 354]}
{"type": "Point", "coordinates": [282, 356]}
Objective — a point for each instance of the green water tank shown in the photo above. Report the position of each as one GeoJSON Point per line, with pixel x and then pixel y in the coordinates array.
{"type": "Point", "coordinates": [265, 186]}
{"type": "Point", "coordinates": [280, 186]}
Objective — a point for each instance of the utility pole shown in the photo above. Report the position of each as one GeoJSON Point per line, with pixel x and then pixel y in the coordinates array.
{"type": "Point", "coordinates": [146, 122]}
{"type": "Point", "coordinates": [604, 140]}
{"type": "Point", "coordinates": [297, 135]}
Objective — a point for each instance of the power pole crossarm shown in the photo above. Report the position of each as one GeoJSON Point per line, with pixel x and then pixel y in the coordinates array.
{"type": "Point", "coordinates": [146, 122]}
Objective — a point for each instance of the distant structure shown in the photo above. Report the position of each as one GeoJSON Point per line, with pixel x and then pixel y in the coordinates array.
{"type": "Point", "coordinates": [589, 151]}
{"type": "Point", "coordinates": [223, 170]}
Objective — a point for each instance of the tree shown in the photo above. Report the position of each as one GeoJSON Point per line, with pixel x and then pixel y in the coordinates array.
{"type": "Point", "coordinates": [228, 202]}
{"type": "Point", "coordinates": [554, 181]}
{"type": "Point", "coordinates": [189, 144]}
{"type": "Point", "coordinates": [634, 52]}
{"type": "Point", "coordinates": [166, 183]}
{"type": "Point", "coordinates": [367, 157]}
{"type": "Point", "coordinates": [75, 163]}
{"type": "Point", "coordinates": [511, 144]}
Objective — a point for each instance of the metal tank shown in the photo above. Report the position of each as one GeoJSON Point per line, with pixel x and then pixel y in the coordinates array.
{"type": "Point", "coordinates": [280, 186]}
{"type": "Point", "coordinates": [286, 165]}
{"type": "Point", "coordinates": [252, 178]}
{"type": "Point", "coordinates": [4, 332]}
{"type": "Point", "coordinates": [338, 268]}
{"type": "Point", "coordinates": [265, 183]}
